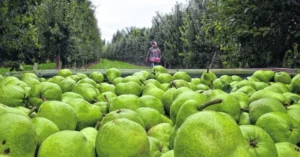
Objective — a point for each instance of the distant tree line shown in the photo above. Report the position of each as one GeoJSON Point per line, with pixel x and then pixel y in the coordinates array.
{"type": "Point", "coordinates": [232, 34]}
{"type": "Point", "coordinates": [40, 30]}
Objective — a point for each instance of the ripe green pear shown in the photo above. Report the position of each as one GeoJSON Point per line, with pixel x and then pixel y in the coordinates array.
{"type": "Point", "coordinates": [123, 113]}
{"type": "Point", "coordinates": [97, 76]}
{"type": "Point", "coordinates": [69, 96]}
{"type": "Point", "coordinates": [164, 78]}
{"type": "Point", "coordinates": [295, 83]}
{"type": "Point", "coordinates": [67, 85]}
{"type": "Point", "coordinates": [153, 91]}
{"type": "Point", "coordinates": [260, 85]}
{"type": "Point", "coordinates": [136, 79]}
{"type": "Point", "coordinates": [162, 132]}
{"type": "Point", "coordinates": [293, 97]}
{"type": "Point", "coordinates": [264, 75]}
{"type": "Point", "coordinates": [125, 101]}
{"type": "Point", "coordinates": [151, 102]}
{"type": "Point", "coordinates": [55, 79]}
{"type": "Point", "coordinates": [87, 91]}
{"type": "Point", "coordinates": [74, 77]}
{"type": "Point", "coordinates": [112, 73]}
{"type": "Point", "coordinates": [17, 135]}
{"type": "Point", "coordinates": [259, 142]}
{"type": "Point", "coordinates": [282, 77]}
{"type": "Point", "coordinates": [169, 153]}
{"type": "Point", "coordinates": [156, 147]}
{"type": "Point", "coordinates": [91, 134]}
{"type": "Point", "coordinates": [208, 77]}
{"type": "Point", "coordinates": [264, 105]}
{"type": "Point", "coordinates": [269, 94]}
{"type": "Point", "coordinates": [280, 126]}
{"type": "Point", "coordinates": [182, 75]}
{"type": "Point", "coordinates": [247, 90]}
{"type": "Point", "coordinates": [236, 78]}
{"type": "Point", "coordinates": [128, 88]}
{"type": "Point", "coordinates": [167, 100]}
{"type": "Point", "coordinates": [244, 119]}
{"type": "Point", "coordinates": [12, 95]}
{"type": "Point", "coordinates": [285, 149]}
{"type": "Point", "coordinates": [45, 91]}
{"type": "Point", "coordinates": [209, 133]}
{"type": "Point", "coordinates": [87, 114]}
{"type": "Point", "coordinates": [226, 79]}
{"type": "Point", "coordinates": [64, 72]}
{"type": "Point", "coordinates": [31, 81]}
{"type": "Point", "coordinates": [77, 145]}
{"type": "Point", "coordinates": [81, 75]}
{"type": "Point", "coordinates": [122, 137]}
{"type": "Point", "coordinates": [106, 96]}
{"type": "Point", "coordinates": [242, 98]}
{"type": "Point", "coordinates": [150, 116]}
{"type": "Point", "coordinates": [106, 87]}
{"type": "Point", "coordinates": [159, 68]}
{"type": "Point", "coordinates": [44, 128]}
{"type": "Point", "coordinates": [88, 80]}
{"type": "Point", "coordinates": [62, 114]}
{"type": "Point", "coordinates": [103, 107]}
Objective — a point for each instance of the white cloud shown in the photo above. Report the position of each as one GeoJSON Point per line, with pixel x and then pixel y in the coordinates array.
{"type": "Point", "coordinates": [113, 15]}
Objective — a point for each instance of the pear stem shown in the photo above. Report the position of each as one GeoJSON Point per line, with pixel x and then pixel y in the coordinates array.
{"type": "Point", "coordinates": [174, 84]}
{"type": "Point", "coordinates": [245, 110]}
{"type": "Point", "coordinates": [98, 124]}
{"type": "Point", "coordinates": [32, 110]}
{"type": "Point", "coordinates": [142, 82]}
{"type": "Point", "coordinates": [213, 102]}
{"type": "Point", "coordinates": [106, 98]}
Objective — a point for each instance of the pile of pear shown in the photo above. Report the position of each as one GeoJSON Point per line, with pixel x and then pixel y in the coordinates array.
{"type": "Point", "coordinates": [150, 113]}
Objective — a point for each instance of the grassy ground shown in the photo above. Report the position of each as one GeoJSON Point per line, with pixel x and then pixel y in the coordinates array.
{"type": "Point", "coordinates": [106, 64]}
{"type": "Point", "coordinates": [30, 67]}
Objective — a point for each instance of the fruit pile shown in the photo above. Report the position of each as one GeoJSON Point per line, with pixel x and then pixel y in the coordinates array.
{"type": "Point", "coordinates": [150, 114]}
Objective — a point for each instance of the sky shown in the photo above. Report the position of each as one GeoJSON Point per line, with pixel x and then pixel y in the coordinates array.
{"type": "Point", "coordinates": [113, 15]}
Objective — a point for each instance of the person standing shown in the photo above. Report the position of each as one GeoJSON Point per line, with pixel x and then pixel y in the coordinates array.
{"type": "Point", "coordinates": [153, 55]}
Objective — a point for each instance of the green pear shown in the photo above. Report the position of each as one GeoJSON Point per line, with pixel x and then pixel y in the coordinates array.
{"type": "Point", "coordinates": [44, 128]}
{"type": "Point", "coordinates": [242, 98]}
{"type": "Point", "coordinates": [264, 105]}
{"type": "Point", "coordinates": [202, 87]}
{"type": "Point", "coordinates": [166, 119]}
{"type": "Point", "coordinates": [150, 116]}
{"type": "Point", "coordinates": [208, 77]}
{"type": "Point", "coordinates": [282, 77]}
{"type": "Point", "coordinates": [131, 78]}
{"type": "Point", "coordinates": [152, 102]}
{"type": "Point", "coordinates": [162, 132]}
{"type": "Point", "coordinates": [294, 112]}
{"type": "Point", "coordinates": [167, 99]}
{"type": "Point", "coordinates": [286, 128]}
{"type": "Point", "coordinates": [19, 83]}
{"type": "Point", "coordinates": [55, 79]}
{"type": "Point", "coordinates": [153, 91]}
{"type": "Point", "coordinates": [126, 101]}
{"type": "Point", "coordinates": [81, 76]}
{"type": "Point", "coordinates": [164, 78]}
{"type": "Point", "coordinates": [293, 97]}
{"type": "Point", "coordinates": [260, 144]}
{"type": "Point", "coordinates": [208, 133]}
{"type": "Point", "coordinates": [67, 85]}
{"type": "Point", "coordinates": [196, 81]}
{"type": "Point", "coordinates": [103, 107]}
{"type": "Point", "coordinates": [226, 79]}
{"type": "Point", "coordinates": [123, 113]}
{"type": "Point", "coordinates": [17, 135]}
{"type": "Point", "coordinates": [106, 87]}
{"type": "Point", "coordinates": [260, 85]}
{"type": "Point", "coordinates": [285, 149]}
{"type": "Point", "coordinates": [244, 119]}
{"type": "Point", "coordinates": [156, 147]}
{"type": "Point", "coordinates": [55, 145]}
{"type": "Point", "coordinates": [117, 80]}
{"type": "Point", "coordinates": [91, 134]}
{"type": "Point", "coordinates": [245, 83]}
{"type": "Point", "coordinates": [182, 75]}
{"type": "Point", "coordinates": [269, 94]}
{"type": "Point", "coordinates": [7, 109]}
{"type": "Point", "coordinates": [74, 77]}
{"type": "Point", "coordinates": [64, 72]}
{"type": "Point", "coordinates": [109, 137]}
{"type": "Point", "coordinates": [128, 88]}
{"type": "Point", "coordinates": [252, 79]}
{"type": "Point", "coordinates": [62, 114]}
{"type": "Point", "coordinates": [31, 81]}
{"type": "Point", "coordinates": [247, 90]}
{"type": "Point", "coordinates": [218, 84]}
{"type": "Point", "coordinates": [140, 75]}
{"type": "Point", "coordinates": [1, 77]}
{"type": "Point", "coordinates": [45, 91]}
{"type": "Point", "coordinates": [7, 79]}
{"type": "Point", "coordinates": [295, 83]}
{"type": "Point", "coordinates": [236, 78]}
{"type": "Point", "coordinates": [278, 87]}
{"type": "Point", "coordinates": [112, 73]}
{"type": "Point", "coordinates": [87, 80]}
{"type": "Point", "coordinates": [180, 83]}
{"type": "Point", "coordinates": [183, 97]}
{"type": "Point", "coordinates": [70, 96]}
{"type": "Point", "coordinates": [106, 96]}
{"type": "Point", "coordinates": [159, 68]}
{"type": "Point", "coordinates": [12, 95]}
{"type": "Point", "coordinates": [87, 114]}
{"type": "Point", "coordinates": [97, 76]}
{"type": "Point", "coordinates": [264, 75]}
{"type": "Point", "coordinates": [87, 91]}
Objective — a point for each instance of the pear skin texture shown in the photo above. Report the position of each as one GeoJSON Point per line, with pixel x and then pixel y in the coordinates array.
{"type": "Point", "coordinates": [268, 94]}
{"type": "Point", "coordinates": [286, 149]}
{"type": "Point", "coordinates": [122, 137]}
{"type": "Point", "coordinates": [77, 145]}
{"type": "Point", "coordinates": [17, 135]}
{"type": "Point", "coordinates": [282, 77]}
{"type": "Point", "coordinates": [45, 91]}
{"type": "Point", "coordinates": [128, 101]}
{"type": "Point", "coordinates": [112, 73]}
{"type": "Point", "coordinates": [260, 144]}
{"type": "Point", "coordinates": [296, 84]}
{"type": "Point", "coordinates": [128, 88]}
{"type": "Point", "coordinates": [150, 116]}
{"type": "Point", "coordinates": [152, 102]}
{"type": "Point", "coordinates": [182, 75]}
{"type": "Point", "coordinates": [62, 114]}
{"type": "Point", "coordinates": [264, 75]}
{"type": "Point", "coordinates": [162, 132]}
{"type": "Point", "coordinates": [209, 133]}
{"type": "Point", "coordinates": [87, 91]}
{"type": "Point", "coordinates": [280, 126]}
{"type": "Point", "coordinates": [90, 133]}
